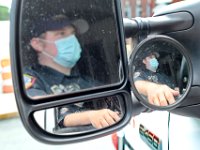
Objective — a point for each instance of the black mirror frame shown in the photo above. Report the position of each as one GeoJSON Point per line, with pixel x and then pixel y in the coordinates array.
{"type": "Point", "coordinates": [27, 108]}
{"type": "Point", "coordinates": [189, 65]}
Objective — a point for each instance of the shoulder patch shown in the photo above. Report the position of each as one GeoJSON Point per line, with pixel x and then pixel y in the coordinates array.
{"type": "Point", "coordinates": [29, 81]}
{"type": "Point", "coordinates": [136, 74]}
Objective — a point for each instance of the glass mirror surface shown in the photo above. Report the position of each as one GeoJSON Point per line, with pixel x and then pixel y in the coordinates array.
{"type": "Point", "coordinates": [160, 72]}
{"type": "Point", "coordinates": [69, 45]}
{"type": "Point", "coordinates": [82, 117]}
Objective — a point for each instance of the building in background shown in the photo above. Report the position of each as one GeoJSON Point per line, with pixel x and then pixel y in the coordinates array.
{"type": "Point", "coordinates": [142, 8]}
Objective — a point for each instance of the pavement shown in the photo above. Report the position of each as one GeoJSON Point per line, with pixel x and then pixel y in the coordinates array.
{"type": "Point", "coordinates": [13, 136]}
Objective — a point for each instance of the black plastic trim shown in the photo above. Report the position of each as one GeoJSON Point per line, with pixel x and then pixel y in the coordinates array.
{"type": "Point", "coordinates": [27, 107]}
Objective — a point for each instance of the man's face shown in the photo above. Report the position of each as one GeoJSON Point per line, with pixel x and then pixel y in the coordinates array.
{"type": "Point", "coordinates": [51, 36]}
{"type": "Point", "coordinates": [146, 61]}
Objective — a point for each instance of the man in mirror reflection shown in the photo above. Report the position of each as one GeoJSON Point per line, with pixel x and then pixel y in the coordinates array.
{"type": "Point", "coordinates": [157, 87]}
{"type": "Point", "coordinates": [58, 50]}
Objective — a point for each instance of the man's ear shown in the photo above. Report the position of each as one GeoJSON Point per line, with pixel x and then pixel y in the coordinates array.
{"type": "Point", "coordinates": [36, 44]}
{"type": "Point", "coordinates": [144, 61]}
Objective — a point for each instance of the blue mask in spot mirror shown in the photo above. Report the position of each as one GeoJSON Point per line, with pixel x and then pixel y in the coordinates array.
{"type": "Point", "coordinates": [153, 64]}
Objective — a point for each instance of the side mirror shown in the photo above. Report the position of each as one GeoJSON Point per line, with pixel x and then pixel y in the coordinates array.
{"type": "Point", "coordinates": [70, 68]}
{"type": "Point", "coordinates": [68, 58]}
{"type": "Point", "coordinates": [172, 32]}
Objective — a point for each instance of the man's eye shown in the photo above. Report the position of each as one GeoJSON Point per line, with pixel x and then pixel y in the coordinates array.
{"type": "Point", "coordinates": [62, 33]}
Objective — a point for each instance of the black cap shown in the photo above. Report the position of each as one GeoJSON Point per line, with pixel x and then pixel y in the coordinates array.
{"type": "Point", "coordinates": [56, 22]}
{"type": "Point", "coordinates": [145, 54]}
{"type": "Point", "coordinates": [142, 54]}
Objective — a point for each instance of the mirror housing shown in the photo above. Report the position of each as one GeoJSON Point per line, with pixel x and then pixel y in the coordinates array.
{"type": "Point", "coordinates": [27, 107]}
{"type": "Point", "coordinates": [179, 22]}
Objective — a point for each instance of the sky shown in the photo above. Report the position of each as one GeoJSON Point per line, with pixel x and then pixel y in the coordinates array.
{"type": "Point", "coordinates": [6, 3]}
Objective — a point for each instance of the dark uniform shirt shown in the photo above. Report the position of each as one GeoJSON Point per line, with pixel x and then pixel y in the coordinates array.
{"type": "Point", "coordinates": [42, 80]}
{"type": "Point", "coordinates": [156, 77]}
{"type": "Point", "coordinates": [45, 80]}
{"type": "Point", "coordinates": [97, 104]}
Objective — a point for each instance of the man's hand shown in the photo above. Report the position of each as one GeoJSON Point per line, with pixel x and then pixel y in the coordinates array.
{"type": "Point", "coordinates": [103, 118]}
{"type": "Point", "coordinates": [161, 95]}
{"type": "Point", "coordinates": [157, 94]}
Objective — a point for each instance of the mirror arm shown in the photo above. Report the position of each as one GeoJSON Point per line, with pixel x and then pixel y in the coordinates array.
{"type": "Point", "coordinates": [138, 107]}
{"type": "Point", "coordinates": [131, 27]}
{"type": "Point", "coordinates": [158, 24]}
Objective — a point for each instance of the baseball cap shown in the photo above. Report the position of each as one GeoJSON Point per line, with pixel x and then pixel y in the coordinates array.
{"type": "Point", "coordinates": [56, 22]}
{"type": "Point", "coordinates": [145, 54]}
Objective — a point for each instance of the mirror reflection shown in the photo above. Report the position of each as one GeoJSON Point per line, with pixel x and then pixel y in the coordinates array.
{"type": "Point", "coordinates": [66, 49]}
{"type": "Point", "coordinates": [160, 72]}
{"type": "Point", "coordinates": [82, 117]}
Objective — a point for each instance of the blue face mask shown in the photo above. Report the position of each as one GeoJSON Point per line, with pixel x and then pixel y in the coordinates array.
{"type": "Point", "coordinates": [69, 51]}
{"type": "Point", "coordinates": [153, 64]}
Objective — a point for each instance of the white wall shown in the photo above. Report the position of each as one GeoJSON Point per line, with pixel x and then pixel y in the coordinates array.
{"type": "Point", "coordinates": [4, 44]}
{"type": "Point", "coordinates": [4, 34]}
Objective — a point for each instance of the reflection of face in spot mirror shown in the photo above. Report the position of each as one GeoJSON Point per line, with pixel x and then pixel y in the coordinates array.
{"type": "Point", "coordinates": [158, 73]}
{"type": "Point", "coordinates": [60, 52]}
{"type": "Point", "coordinates": [82, 117]}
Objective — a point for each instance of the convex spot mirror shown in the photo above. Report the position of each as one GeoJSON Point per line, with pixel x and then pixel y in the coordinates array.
{"type": "Point", "coordinates": [69, 46]}
{"type": "Point", "coordinates": [82, 117]}
{"type": "Point", "coordinates": [160, 72]}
